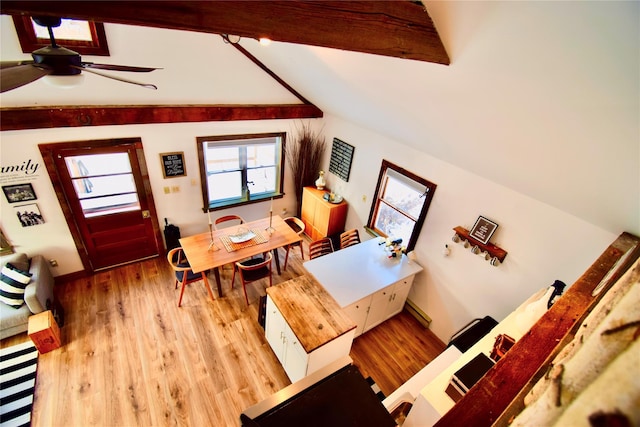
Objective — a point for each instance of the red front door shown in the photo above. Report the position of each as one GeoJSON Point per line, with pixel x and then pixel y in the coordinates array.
{"type": "Point", "coordinates": [104, 189]}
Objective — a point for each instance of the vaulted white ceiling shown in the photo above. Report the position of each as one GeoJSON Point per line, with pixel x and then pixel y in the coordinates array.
{"type": "Point", "coordinates": [541, 97]}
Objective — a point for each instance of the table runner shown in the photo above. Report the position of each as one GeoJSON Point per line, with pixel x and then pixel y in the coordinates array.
{"type": "Point", "coordinates": [230, 246]}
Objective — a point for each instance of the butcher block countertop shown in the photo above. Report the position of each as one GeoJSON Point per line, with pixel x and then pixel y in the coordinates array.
{"type": "Point", "coordinates": [312, 314]}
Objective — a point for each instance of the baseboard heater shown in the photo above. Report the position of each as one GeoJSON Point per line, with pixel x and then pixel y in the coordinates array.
{"type": "Point", "coordinates": [416, 312]}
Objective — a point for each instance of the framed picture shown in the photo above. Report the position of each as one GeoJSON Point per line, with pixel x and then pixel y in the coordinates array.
{"type": "Point", "coordinates": [173, 164]}
{"type": "Point", "coordinates": [483, 229]}
{"type": "Point", "coordinates": [19, 193]}
{"type": "Point", "coordinates": [29, 215]}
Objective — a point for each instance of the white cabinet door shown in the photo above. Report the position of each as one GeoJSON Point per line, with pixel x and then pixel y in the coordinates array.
{"type": "Point", "coordinates": [284, 343]}
{"type": "Point", "coordinates": [378, 308]}
{"type": "Point", "coordinates": [274, 330]}
{"type": "Point", "coordinates": [296, 359]}
{"type": "Point", "coordinates": [358, 313]}
{"type": "Point", "coordinates": [398, 297]}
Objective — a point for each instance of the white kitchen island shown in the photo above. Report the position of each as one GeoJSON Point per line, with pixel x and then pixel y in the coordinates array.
{"type": "Point", "coordinates": [368, 285]}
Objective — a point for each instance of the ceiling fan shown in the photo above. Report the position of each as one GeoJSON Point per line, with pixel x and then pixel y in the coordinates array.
{"type": "Point", "coordinates": [56, 60]}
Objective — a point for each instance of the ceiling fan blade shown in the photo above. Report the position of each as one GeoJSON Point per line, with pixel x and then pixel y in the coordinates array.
{"type": "Point", "coordinates": [9, 64]}
{"type": "Point", "coordinates": [147, 85]}
{"type": "Point", "coordinates": [111, 67]}
{"type": "Point", "coordinates": [14, 77]}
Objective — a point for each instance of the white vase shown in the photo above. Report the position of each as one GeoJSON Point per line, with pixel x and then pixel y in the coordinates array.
{"type": "Point", "coordinates": [320, 182]}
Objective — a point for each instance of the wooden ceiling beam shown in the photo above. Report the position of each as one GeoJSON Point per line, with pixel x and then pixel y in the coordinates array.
{"type": "Point", "coordinates": [397, 28]}
{"type": "Point", "coordinates": [20, 118]}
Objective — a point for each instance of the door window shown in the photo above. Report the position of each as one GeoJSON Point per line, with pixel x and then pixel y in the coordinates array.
{"type": "Point", "coordinates": [104, 183]}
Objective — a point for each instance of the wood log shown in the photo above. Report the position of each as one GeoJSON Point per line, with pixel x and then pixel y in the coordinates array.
{"type": "Point", "coordinates": [499, 395]}
{"type": "Point", "coordinates": [573, 374]}
{"type": "Point", "coordinates": [613, 395]}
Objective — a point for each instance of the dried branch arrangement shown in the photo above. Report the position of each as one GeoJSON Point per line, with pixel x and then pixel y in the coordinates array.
{"type": "Point", "coordinates": [304, 154]}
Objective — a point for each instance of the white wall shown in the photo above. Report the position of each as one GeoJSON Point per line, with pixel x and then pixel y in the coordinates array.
{"type": "Point", "coordinates": [183, 208]}
{"type": "Point", "coordinates": [543, 243]}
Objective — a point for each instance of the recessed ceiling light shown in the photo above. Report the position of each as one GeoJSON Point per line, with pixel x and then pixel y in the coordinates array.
{"type": "Point", "coordinates": [265, 41]}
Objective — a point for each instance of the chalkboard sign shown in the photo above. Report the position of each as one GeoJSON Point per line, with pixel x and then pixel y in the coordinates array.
{"type": "Point", "coordinates": [341, 157]}
{"type": "Point", "coordinates": [173, 164]}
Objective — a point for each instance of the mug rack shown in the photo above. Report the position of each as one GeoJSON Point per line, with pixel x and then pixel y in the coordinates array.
{"type": "Point", "coordinates": [492, 253]}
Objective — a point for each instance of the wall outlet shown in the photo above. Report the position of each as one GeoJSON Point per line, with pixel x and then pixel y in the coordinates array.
{"type": "Point", "coordinates": [53, 262]}
{"type": "Point", "coordinates": [175, 189]}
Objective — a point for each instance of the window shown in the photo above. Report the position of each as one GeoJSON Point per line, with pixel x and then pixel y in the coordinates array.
{"type": "Point", "coordinates": [400, 205]}
{"type": "Point", "coordinates": [240, 169]}
{"type": "Point", "coordinates": [84, 37]}
{"type": "Point", "coordinates": [104, 183]}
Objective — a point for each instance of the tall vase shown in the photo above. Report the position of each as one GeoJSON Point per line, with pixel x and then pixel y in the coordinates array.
{"type": "Point", "coordinates": [320, 182]}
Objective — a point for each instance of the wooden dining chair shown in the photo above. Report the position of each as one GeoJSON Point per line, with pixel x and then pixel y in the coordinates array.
{"type": "Point", "coordinates": [225, 222]}
{"type": "Point", "coordinates": [349, 238]}
{"type": "Point", "coordinates": [183, 273]}
{"type": "Point", "coordinates": [252, 270]}
{"type": "Point", "coordinates": [320, 247]}
{"type": "Point", "coordinates": [228, 221]}
{"type": "Point", "coordinates": [296, 225]}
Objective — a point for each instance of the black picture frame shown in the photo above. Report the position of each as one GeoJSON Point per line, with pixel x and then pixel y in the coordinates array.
{"type": "Point", "coordinates": [18, 193]}
{"type": "Point", "coordinates": [483, 229]}
{"type": "Point", "coordinates": [173, 164]}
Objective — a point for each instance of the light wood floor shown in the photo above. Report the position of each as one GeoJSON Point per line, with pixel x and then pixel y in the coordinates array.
{"type": "Point", "coordinates": [131, 357]}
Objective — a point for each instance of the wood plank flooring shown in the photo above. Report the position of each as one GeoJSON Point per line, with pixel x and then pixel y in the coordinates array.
{"type": "Point", "coordinates": [131, 357]}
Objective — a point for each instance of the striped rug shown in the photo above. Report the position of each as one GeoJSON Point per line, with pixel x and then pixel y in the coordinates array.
{"type": "Point", "coordinates": [18, 366]}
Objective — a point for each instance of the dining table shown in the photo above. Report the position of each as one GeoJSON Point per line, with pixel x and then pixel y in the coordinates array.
{"type": "Point", "coordinates": [216, 248]}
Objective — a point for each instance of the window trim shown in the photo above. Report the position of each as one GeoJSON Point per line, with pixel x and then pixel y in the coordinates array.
{"type": "Point", "coordinates": [431, 187]}
{"type": "Point", "coordinates": [30, 42]}
{"type": "Point", "coordinates": [201, 140]}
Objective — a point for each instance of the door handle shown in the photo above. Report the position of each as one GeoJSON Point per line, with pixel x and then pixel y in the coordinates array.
{"type": "Point", "coordinates": [146, 214]}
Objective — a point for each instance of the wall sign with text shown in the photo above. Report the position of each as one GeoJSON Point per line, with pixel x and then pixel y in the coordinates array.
{"type": "Point", "coordinates": [341, 158]}
{"type": "Point", "coordinates": [173, 164]}
{"type": "Point", "coordinates": [483, 229]}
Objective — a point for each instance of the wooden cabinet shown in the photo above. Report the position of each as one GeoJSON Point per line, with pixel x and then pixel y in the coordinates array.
{"type": "Point", "coordinates": [321, 218]}
{"type": "Point", "coordinates": [374, 309]}
{"type": "Point", "coordinates": [305, 327]}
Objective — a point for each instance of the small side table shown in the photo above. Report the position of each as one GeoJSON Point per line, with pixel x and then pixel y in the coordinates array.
{"type": "Point", "coordinates": [44, 332]}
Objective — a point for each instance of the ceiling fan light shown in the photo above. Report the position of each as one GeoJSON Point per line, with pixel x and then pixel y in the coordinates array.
{"type": "Point", "coordinates": [64, 82]}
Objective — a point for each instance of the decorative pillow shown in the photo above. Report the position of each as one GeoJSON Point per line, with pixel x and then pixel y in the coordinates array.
{"type": "Point", "coordinates": [13, 282]}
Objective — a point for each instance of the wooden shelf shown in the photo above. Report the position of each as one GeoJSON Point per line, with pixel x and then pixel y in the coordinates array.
{"type": "Point", "coordinates": [495, 253]}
